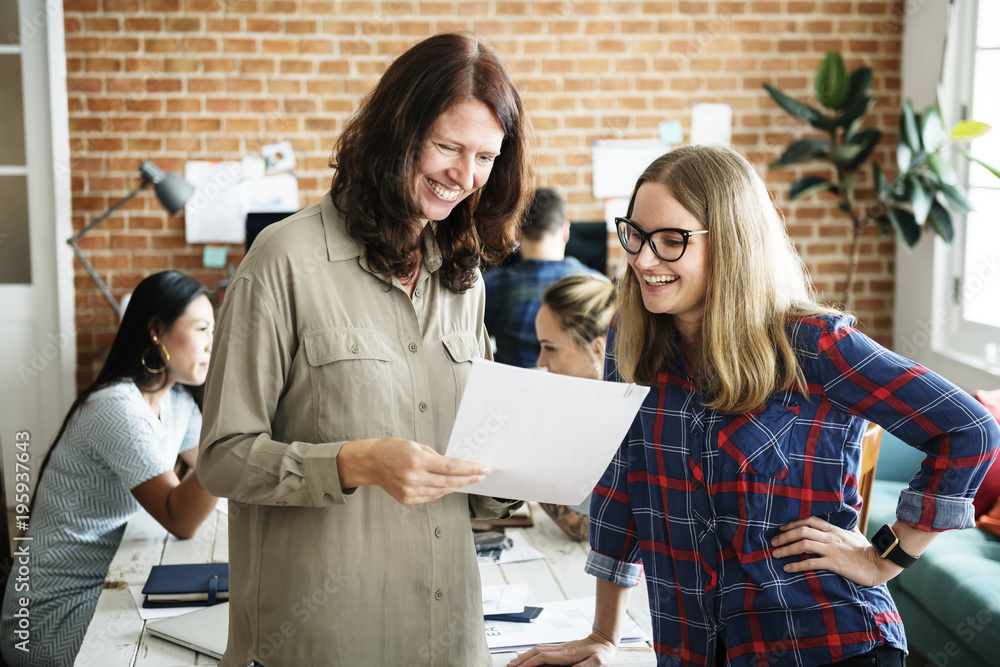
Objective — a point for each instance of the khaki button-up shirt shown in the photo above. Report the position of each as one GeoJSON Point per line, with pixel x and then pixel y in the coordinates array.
{"type": "Point", "coordinates": [313, 350]}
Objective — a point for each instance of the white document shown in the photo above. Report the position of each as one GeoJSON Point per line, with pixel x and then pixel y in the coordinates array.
{"type": "Point", "coordinates": [711, 124]}
{"type": "Point", "coordinates": [618, 164]}
{"type": "Point", "coordinates": [560, 621]}
{"type": "Point", "coordinates": [546, 437]}
{"type": "Point", "coordinates": [504, 599]}
{"type": "Point", "coordinates": [279, 193]}
{"type": "Point", "coordinates": [148, 613]}
{"type": "Point", "coordinates": [519, 552]}
{"type": "Point", "coordinates": [215, 212]}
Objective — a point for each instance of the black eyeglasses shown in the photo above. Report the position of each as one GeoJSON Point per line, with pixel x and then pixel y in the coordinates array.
{"type": "Point", "coordinates": [668, 244]}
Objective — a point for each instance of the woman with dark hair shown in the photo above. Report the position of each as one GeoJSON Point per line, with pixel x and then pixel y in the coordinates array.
{"type": "Point", "coordinates": [115, 453]}
{"type": "Point", "coordinates": [344, 344]}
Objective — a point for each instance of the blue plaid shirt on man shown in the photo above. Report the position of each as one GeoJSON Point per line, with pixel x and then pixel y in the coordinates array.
{"type": "Point", "coordinates": [693, 498]}
{"type": "Point", "coordinates": [513, 298]}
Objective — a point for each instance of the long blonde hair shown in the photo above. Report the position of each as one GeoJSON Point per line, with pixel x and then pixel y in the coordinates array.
{"type": "Point", "coordinates": [583, 304]}
{"type": "Point", "coordinates": [756, 283]}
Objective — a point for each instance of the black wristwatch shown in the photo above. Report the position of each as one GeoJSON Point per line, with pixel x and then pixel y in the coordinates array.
{"type": "Point", "coordinates": [887, 546]}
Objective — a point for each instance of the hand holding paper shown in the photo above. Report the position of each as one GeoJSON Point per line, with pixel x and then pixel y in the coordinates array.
{"type": "Point", "coordinates": [546, 437]}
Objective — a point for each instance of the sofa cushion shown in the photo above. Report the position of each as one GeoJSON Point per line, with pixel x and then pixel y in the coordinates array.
{"type": "Point", "coordinates": [897, 460]}
{"type": "Point", "coordinates": [957, 580]}
{"type": "Point", "coordinates": [989, 490]}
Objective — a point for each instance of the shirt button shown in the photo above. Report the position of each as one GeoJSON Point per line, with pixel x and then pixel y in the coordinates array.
{"type": "Point", "coordinates": [423, 407]}
{"type": "Point", "coordinates": [438, 532]}
{"type": "Point", "coordinates": [281, 502]}
{"type": "Point", "coordinates": [439, 594]}
{"type": "Point", "coordinates": [355, 349]}
{"type": "Point", "coordinates": [413, 347]}
{"type": "Point", "coordinates": [327, 496]}
{"type": "Point", "coordinates": [417, 293]}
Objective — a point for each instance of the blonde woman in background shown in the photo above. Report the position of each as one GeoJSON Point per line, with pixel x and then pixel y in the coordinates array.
{"type": "Point", "coordinates": [572, 327]}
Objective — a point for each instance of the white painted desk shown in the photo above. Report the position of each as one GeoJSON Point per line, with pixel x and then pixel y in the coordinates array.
{"type": "Point", "coordinates": [117, 638]}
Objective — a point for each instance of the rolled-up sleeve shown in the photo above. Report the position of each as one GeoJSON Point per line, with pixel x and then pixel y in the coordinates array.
{"type": "Point", "coordinates": [615, 554]}
{"type": "Point", "coordinates": [238, 458]}
{"type": "Point", "coordinates": [925, 411]}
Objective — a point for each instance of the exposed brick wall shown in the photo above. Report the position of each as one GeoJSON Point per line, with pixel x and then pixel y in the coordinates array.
{"type": "Point", "coordinates": [178, 80]}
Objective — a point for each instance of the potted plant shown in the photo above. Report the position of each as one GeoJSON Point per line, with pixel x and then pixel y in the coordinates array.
{"type": "Point", "coordinates": [925, 191]}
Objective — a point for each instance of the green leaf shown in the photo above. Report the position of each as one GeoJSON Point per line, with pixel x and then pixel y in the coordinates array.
{"type": "Point", "coordinates": [844, 155]}
{"type": "Point", "coordinates": [967, 130]}
{"type": "Point", "coordinates": [920, 198]}
{"type": "Point", "coordinates": [853, 113]}
{"type": "Point", "coordinates": [831, 84]}
{"type": "Point", "coordinates": [904, 156]}
{"type": "Point", "coordinates": [956, 199]}
{"type": "Point", "coordinates": [809, 185]}
{"type": "Point", "coordinates": [802, 150]}
{"type": "Point", "coordinates": [882, 187]}
{"type": "Point", "coordinates": [867, 140]}
{"type": "Point", "coordinates": [992, 170]}
{"type": "Point", "coordinates": [931, 129]}
{"type": "Point", "coordinates": [883, 225]}
{"type": "Point", "coordinates": [792, 106]}
{"type": "Point", "coordinates": [942, 168]}
{"type": "Point", "coordinates": [904, 224]}
{"type": "Point", "coordinates": [940, 222]}
{"type": "Point", "coordinates": [857, 87]}
{"type": "Point", "coordinates": [908, 131]}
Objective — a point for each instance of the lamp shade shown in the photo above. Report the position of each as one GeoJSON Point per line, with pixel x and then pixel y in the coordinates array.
{"type": "Point", "coordinates": [171, 190]}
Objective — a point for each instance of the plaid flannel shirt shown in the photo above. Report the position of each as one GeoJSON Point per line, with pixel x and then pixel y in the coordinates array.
{"type": "Point", "coordinates": [694, 497]}
{"type": "Point", "coordinates": [513, 297]}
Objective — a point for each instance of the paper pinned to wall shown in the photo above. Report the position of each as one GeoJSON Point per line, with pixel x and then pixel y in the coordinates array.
{"type": "Point", "coordinates": [711, 124]}
{"type": "Point", "coordinates": [619, 163]}
{"type": "Point", "coordinates": [278, 193]}
{"type": "Point", "coordinates": [215, 213]}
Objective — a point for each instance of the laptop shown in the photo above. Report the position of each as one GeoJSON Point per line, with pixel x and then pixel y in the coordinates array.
{"type": "Point", "coordinates": [205, 630]}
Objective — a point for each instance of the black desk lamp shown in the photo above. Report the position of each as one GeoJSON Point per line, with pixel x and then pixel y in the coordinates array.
{"type": "Point", "coordinates": [172, 191]}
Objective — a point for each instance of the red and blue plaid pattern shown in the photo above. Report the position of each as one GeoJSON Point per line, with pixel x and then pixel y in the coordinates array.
{"type": "Point", "coordinates": [694, 497]}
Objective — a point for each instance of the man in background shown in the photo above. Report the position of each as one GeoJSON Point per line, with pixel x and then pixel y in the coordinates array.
{"type": "Point", "coordinates": [514, 292]}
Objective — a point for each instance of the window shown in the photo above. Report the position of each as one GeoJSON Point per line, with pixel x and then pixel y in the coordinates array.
{"type": "Point", "coordinates": [974, 260]}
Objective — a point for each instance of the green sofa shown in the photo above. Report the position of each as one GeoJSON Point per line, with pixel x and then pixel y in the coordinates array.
{"type": "Point", "coordinates": [950, 599]}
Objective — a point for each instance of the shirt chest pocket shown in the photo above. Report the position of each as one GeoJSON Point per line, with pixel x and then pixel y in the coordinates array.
{"type": "Point", "coordinates": [461, 347]}
{"type": "Point", "coordinates": [351, 371]}
{"type": "Point", "coordinates": [758, 443]}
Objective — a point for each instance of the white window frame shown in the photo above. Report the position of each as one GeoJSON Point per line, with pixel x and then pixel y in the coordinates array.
{"type": "Point", "coordinates": [929, 327]}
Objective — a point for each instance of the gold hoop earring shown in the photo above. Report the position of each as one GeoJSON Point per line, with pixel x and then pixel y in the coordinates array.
{"type": "Point", "coordinates": [165, 358]}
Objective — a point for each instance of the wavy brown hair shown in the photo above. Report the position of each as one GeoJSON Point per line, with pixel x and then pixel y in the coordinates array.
{"type": "Point", "coordinates": [756, 283]}
{"type": "Point", "coordinates": [377, 154]}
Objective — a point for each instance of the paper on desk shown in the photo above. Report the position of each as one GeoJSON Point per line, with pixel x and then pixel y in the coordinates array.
{"type": "Point", "coordinates": [504, 599]}
{"type": "Point", "coordinates": [149, 613]}
{"type": "Point", "coordinates": [546, 437]}
{"type": "Point", "coordinates": [560, 621]}
{"type": "Point", "coordinates": [518, 552]}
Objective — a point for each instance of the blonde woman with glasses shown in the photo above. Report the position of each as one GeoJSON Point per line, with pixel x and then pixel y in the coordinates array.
{"type": "Point", "coordinates": [572, 328]}
{"type": "Point", "coordinates": [736, 490]}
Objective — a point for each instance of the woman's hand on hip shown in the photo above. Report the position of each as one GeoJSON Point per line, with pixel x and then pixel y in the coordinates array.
{"type": "Point", "coordinates": [844, 552]}
{"type": "Point", "coordinates": [410, 472]}
{"type": "Point", "coordinates": [594, 651]}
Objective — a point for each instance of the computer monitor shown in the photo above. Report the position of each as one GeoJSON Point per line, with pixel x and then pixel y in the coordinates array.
{"type": "Point", "coordinates": [256, 222]}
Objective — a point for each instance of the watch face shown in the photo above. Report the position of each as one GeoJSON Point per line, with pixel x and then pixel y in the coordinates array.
{"type": "Point", "coordinates": [883, 540]}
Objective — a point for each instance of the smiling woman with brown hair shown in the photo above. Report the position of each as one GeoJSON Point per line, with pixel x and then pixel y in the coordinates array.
{"type": "Point", "coordinates": [344, 344]}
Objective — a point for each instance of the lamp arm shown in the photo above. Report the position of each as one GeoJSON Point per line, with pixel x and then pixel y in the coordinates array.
{"type": "Point", "coordinates": [104, 216]}
{"type": "Point", "coordinates": [71, 241]}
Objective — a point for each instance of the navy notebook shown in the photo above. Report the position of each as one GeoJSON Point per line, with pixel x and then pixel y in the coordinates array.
{"type": "Point", "coordinates": [190, 584]}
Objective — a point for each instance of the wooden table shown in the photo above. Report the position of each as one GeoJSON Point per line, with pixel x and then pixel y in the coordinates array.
{"type": "Point", "coordinates": [116, 636]}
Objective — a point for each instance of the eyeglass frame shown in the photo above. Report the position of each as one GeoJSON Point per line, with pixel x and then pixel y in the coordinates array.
{"type": "Point", "coordinates": [686, 234]}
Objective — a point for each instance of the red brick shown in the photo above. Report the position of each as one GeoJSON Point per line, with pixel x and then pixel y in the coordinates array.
{"type": "Point", "coordinates": [219, 64]}
{"type": "Point", "coordinates": [183, 105]}
{"type": "Point", "coordinates": [277, 46]}
{"type": "Point", "coordinates": [183, 24]}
